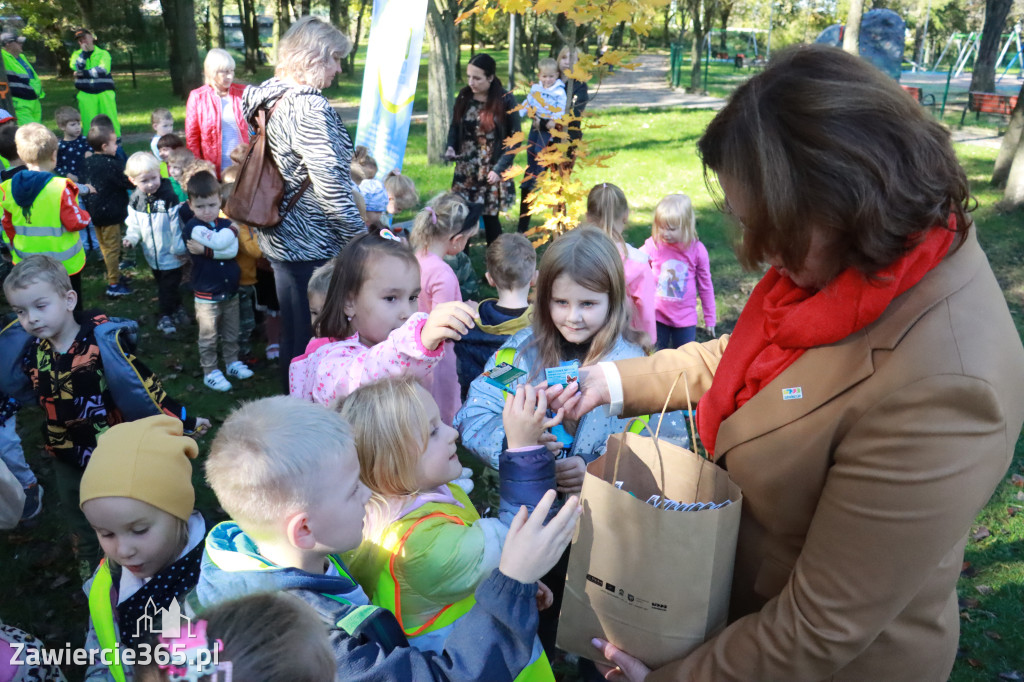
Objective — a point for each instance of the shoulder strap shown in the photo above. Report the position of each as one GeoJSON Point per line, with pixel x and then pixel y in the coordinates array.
{"type": "Point", "coordinates": [261, 129]}
{"type": "Point", "coordinates": [101, 611]}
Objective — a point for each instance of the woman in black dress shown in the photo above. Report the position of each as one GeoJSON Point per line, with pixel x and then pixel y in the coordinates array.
{"type": "Point", "coordinates": [480, 123]}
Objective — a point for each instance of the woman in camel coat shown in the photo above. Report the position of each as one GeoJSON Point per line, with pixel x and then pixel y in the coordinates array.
{"type": "Point", "coordinates": [870, 396]}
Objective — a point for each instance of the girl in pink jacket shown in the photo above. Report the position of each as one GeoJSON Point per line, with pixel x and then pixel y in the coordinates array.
{"type": "Point", "coordinates": [371, 320]}
{"type": "Point", "coordinates": [681, 269]}
{"type": "Point", "coordinates": [608, 210]}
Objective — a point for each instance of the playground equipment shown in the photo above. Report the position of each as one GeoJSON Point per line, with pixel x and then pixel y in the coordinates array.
{"type": "Point", "coordinates": [968, 44]}
{"type": "Point", "coordinates": [881, 39]}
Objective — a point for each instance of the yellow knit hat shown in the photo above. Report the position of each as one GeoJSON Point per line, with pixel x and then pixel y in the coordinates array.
{"type": "Point", "coordinates": [146, 460]}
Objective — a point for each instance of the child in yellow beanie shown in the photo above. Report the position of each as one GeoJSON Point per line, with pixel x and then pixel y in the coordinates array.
{"type": "Point", "coordinates": [137, 494]}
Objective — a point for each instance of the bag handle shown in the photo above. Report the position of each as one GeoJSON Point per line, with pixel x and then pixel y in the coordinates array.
{"type": "Point", "coordinates": [654, 435]}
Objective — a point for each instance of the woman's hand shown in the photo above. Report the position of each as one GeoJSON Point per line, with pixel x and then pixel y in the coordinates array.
{"type": "Point", "coordinates": [493, 178]}
{"type": "Point", "coordinates": [581, 396]}
{"type": "Point", "coordinates": [447, 322]}
{"type": "Point", "coordinates": [629, 669]}
{"type": "Point", "coordinates": [569, 474]}
{"type": "Point", "coordinates": [525, 416]}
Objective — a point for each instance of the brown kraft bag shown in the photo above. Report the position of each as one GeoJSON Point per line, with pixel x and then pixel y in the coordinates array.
{"type": "Point", "coordinates": [652, 580]}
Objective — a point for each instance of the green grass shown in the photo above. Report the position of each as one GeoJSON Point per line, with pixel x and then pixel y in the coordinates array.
{"type": "Point", "coordinates": [654, 155]}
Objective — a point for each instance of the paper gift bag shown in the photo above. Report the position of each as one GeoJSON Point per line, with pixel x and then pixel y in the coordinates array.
{"type": "Point", "coordinates": [653, 581]}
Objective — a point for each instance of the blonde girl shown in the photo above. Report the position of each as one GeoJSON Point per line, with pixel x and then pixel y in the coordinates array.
{"type": "Point", "coordinates": [402, 196]}
{"type": "Point", "coordinates": [582, 313]}
{"type": "Point", "coordinates": [370, 318]}
{"type": "Point", "coordinates": [440, 230]}
{"type": "Point", "coordinates": [681, 268]}
{"type": "Point", "coordinates": [136, 493]}
{"type": "Point", "coordinates": [425, 549]}
{"type": "Point", "coordinates": [607, 209]}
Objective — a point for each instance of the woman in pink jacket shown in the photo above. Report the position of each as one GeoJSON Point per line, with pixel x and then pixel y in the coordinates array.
{"type": "Point", "coordinates": [214, 124]}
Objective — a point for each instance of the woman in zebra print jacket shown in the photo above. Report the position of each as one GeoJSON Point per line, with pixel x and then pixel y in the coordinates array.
{"type": "Point", "coordinates": [307, 139]}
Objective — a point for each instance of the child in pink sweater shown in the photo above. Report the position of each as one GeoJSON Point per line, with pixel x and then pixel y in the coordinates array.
{"type": "Point", "coordinates": [607, 209]}
{"type": "Point", "coordinates": [440, 230]}
{"type": "Point", "coordinates": [372, 325]}
{"type": "Point", "coordinates": [681, 268]}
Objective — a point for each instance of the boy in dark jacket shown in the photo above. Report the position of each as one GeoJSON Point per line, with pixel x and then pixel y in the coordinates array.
{"type": "Point", "coordinates": [511, 269]}
{"type": "Point", "coordinates": [287, 472]}
{"type": "Point", "coordinates": [108, 204]}
{"type": "Point", "coordinates": [85, 376]}
{"type": "Point", "coordinates": [213, 243]}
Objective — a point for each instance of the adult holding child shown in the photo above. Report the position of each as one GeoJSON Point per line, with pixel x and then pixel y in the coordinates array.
{"type": "Point", "coordinates": [869, 400]}
{"type": "Point", "coordinates": [93, 80]}
{"type": "Point", "coordinates": [481, 121]}
{"type": "Point", "coordinates": [312, 148]}
{"type": "Point", "coordinates": [214, 121]}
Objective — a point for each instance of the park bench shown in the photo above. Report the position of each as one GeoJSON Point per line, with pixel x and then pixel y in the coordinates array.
{"type": "Point", "coordinates": [925, 99]}
{"type": "Point", "coordinates": [988, 103]}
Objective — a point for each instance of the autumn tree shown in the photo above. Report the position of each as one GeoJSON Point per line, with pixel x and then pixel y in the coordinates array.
{"type": "Point", "coordinates": [183, 52]}
{"type": "Point", "coordinates": [983, 78]}
{"type": "Point", "coordinates": [851, 34]}
{"type": "Point", "coordinates": [557, 193]}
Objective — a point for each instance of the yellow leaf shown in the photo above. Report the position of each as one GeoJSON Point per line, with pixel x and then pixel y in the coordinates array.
{"type": "Point", "coordinates": [512, 172]}
{"type": "Point", "coordinates": [468, 13]}
{"type": "Point", "coordinates": [514, 139]}
{"type": "Point", "coordinates": [579, 72]}
{"type": "Point", "coordinates": [516, 6]}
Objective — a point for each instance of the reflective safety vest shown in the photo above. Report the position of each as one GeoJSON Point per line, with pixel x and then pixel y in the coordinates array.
{"type": "Point", "coordinates": [42, 231]}
{"type": "Point", "coordinates": [388, 592]}
{"type": "Point", "coordinates": [26, 88]}
{"type": "Point", "coordinates": [101, 610]}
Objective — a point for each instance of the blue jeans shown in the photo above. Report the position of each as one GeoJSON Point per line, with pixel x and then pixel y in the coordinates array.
{"type": "Point", "coordinates": [13, 456]}
{"type": "Point", "coordinates": [291, 279]}
{"type": "Point", "coordinates": [673, 337]}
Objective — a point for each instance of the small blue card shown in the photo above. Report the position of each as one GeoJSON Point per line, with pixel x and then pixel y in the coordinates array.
{"type": "Point", "coordinates": [564, 374]}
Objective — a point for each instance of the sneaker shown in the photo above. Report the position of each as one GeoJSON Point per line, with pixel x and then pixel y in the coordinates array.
{"type": "Point", "coordinates": [181, 318]}
{"type": "Point", "coordinates": [118, 290]}
{"type": "Point", "coordinates": [33, 502]}
{"type": "Point", "coordinates": [273, 351]}
{"type": "Point", "coordinates": [238, 370]}
{"type": "Point", "coordinates": [166, 325]}
{"type": "Point", "coordinates": [216, 381]}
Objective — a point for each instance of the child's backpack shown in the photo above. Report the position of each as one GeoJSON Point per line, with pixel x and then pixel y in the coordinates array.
{"type": "Point", "coordinates": [256, 197]}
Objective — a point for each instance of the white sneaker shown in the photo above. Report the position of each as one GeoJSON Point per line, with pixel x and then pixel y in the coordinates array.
{"type": "Point", "coordinates": [239, 370]}
{"type": "Point", "coordinates": [216, 381]}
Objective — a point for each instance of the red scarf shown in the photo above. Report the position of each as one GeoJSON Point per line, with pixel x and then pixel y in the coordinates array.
{"type": "Point", "coordinates": [781, 321]}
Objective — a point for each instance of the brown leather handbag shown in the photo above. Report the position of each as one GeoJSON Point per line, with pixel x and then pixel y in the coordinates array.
{"type": "Point", "coordinates": [259, 190]}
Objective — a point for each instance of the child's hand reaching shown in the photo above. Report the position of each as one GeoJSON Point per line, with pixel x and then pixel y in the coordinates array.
{"type": "Point", "coordinates": [525, 416]}
{"type": "Point", "coordinates": [569, 474]}
{"type": "Point", "coordinates": [545, 597]}
{"type": "Point", "coordinates": [532, 548]}
{"type": "Point", "coordinates": [447, 321]}
{"type": "Point", "coordinates": [126, 243]}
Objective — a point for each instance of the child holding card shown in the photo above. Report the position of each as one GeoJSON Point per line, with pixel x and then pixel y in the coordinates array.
{"type": "Point", "coordinates": [582, 315]}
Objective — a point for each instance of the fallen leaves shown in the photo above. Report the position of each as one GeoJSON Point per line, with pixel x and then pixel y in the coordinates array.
{"type": "Point", "coordinates": [980, 534]}
{"type": "Point", "coordinates": [1017, 480]}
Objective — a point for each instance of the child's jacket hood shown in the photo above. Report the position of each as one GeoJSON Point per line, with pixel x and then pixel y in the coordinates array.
{"type": "Point", "coordinates": [26, 186]}
{"type": "Point", "coordinates": [232, 567]}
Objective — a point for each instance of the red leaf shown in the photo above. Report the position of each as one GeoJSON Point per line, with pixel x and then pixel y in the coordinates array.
{"type": "Point", "coordinates": [984, 589]}
{"type": "Point", "coordinates": [982, 533]}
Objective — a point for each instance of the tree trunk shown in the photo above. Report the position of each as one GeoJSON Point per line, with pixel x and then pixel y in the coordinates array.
{"type": "Point", "coordinates": [724, 13]}
{"type": "Point", "coordinates": [983, 78]}
{"type": "Point", "coordinates": [701, 23]}
{"type": "Point", "coordinates": [1013, 196]}
{"type": "Point", "coordinates": [87, 8]}
{"type": "Point", "coordinates": [250, 33]}
{"type": "Point", "coordinates": [355, 38]}
{"type": "Point", "coordinates": [217, 23]}
{"type": "Point", "coordinates": [441, 81]}
{"type": "Point", "coordinates": [851, 36]}
{"type": "Point", "coordinates": [1011, 141]}
{"type": "Point", "coordinates": [282, 21]}
{"type": "Point", "coordinates": [182, 53]}
{"type": "Point", "coordinates": [304, 8]}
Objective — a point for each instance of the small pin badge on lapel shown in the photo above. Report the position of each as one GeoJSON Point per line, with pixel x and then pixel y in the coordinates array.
{"type": "Point", "coordinates": [795, 393]}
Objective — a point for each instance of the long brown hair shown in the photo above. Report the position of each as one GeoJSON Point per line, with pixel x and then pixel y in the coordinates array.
{"type": "Point", "coordinates": [494, 108]}
{"type": "Point", "coordinates": [347, 279]}
{"type": "Point", "coordinates": [822, 140]}
{"type": "Point", "coordinates": [588, 257]}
